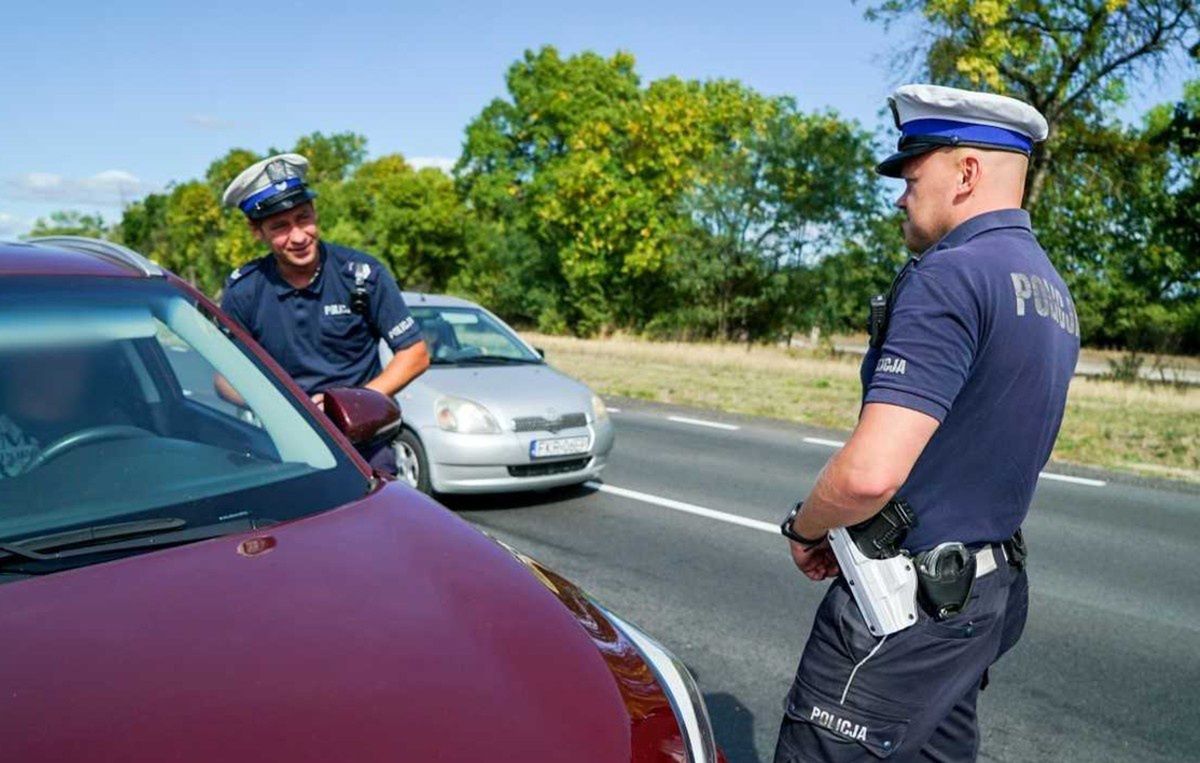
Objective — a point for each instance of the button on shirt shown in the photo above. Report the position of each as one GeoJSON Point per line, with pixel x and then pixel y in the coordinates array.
{"type": "Point", "coordinates": [312, 332]}
{"type": "Point", "coordinates": [983, 337]}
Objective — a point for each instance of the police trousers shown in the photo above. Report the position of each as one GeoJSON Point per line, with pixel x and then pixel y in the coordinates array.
{"type": "Point", "coordinates": [909, 696]}
{"type": "Point", "coordinates": [381, 457]}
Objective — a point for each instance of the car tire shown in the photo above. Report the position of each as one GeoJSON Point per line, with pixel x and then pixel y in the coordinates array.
{"type": "Point", "coordinates": [412, 465]}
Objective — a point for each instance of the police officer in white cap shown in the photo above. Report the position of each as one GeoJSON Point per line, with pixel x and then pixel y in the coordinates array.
{"type": "Point", "coordinates": [319, 309]}
{"type": "Point", "coordinates": [964, 387]}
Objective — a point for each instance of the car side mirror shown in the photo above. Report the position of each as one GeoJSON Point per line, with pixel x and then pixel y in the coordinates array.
{"type": "Point", "coordinates": [541, 353]}
{"type": "Point", "coordinates": [363, 415]}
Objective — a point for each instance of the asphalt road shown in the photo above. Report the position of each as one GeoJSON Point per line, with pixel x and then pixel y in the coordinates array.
{"type": "Point", "coordinates": [1108, 669]}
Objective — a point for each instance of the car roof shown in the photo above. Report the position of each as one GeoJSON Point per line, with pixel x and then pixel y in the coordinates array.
{"type": "Point", "coordinates": [74, 256]}
{"type": "Point", "coordinates": [424, 299]}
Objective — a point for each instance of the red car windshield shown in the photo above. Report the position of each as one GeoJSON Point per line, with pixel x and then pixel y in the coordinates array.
{"type": "Point", "coordinates": [109, 412]}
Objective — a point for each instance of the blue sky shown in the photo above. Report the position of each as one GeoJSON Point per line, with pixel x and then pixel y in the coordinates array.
{"type": "Point", "coordinates": [101, 102]}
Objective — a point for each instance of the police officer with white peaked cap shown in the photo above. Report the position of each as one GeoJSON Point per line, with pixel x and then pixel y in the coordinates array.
{"type": "Point", "coordinates": [964, 387]}
{"type": "Point", "coordinates": [318, 309]}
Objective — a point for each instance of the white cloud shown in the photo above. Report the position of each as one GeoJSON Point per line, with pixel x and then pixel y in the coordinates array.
{"type": "Point", "coordinates": [209, 122]}
{"type": "Point", "coordinates": [108, 188]}
{"type": "Point", "coordinates": [11, 226]}
{"type": "Point", "coordinates": [443, 163]}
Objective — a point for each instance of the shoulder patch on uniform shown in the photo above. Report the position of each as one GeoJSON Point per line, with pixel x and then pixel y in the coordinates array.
{"type": "Point", "coordinates": [241, 272]}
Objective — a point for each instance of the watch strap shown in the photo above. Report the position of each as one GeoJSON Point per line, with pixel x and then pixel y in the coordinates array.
{"type": "Point", "coordinates": [789, 533]}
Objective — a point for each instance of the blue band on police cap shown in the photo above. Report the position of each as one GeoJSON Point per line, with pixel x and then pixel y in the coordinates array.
{"type": "Point", "coordinates": [968, 132]}
{"type": "Point", "coordinates": [250, 202]}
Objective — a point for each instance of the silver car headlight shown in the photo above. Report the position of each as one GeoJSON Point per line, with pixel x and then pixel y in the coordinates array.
{"type": "Point", "coordinates": [599, 409]}
{"type": "Point", "coordinates": [457, 414]}
{"type": "Point", "coordinates": [681, 689]}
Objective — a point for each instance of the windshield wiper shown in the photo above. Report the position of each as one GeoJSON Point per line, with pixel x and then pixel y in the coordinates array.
{"type": "Point", "coordinates": [498, 359]}
{"type": "Point", "coordinates": [151, 533]}
{"type": "Point", "coordinates": [29, 548]}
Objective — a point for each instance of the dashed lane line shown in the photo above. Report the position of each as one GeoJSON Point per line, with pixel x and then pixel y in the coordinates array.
{"type": "Point", "coordinates": [1073, 480]}
{"type": "Point", "coordinates": [1044, 475]}
{"type": "Point", "coordinates": [703, 423]}
{"type": "Point", "coordinates": [820, 441]}
{"type": "Point", "coordinates": [686, 508]}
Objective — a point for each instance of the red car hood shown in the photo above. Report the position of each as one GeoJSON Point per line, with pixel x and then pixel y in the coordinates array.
{"type": "Point", "coordinates": [386, 630]}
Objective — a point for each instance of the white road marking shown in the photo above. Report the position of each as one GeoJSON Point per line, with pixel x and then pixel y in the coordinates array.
{"type": "Point", "coordinates": [687, 508]}
{"type": "Point", "coordinates": [703, 423]}
{"type": "Point", "coordinates": [1073, 480]}
{"type": "Point", "coordinates": [820, 441]}
{"type": "Point", "coordinates": [1044, 475]}
{"type": "Point", "coordinates": [613, 410]}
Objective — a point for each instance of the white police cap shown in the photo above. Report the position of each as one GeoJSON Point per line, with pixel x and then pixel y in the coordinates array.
{"type": "Point", "coordinates": [931, 117]}
{"type": "Point", "coordinates": [272, 185]}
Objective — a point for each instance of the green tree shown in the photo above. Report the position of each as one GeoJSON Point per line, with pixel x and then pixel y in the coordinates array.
{"type": "Point", "coordinates": [606, 187]}
{"type": "Point", "coordinates": [525, 169]}
{"type": "Point", "coordinates": [780, 199]}
{"type": "Point", "coordinates": [192, 220]}
{"type": "Point", "coordinates": [332, 158]}
{"type": "Point", "coordinates": [143, 225]}
{"type": "Point", "coordinates": [222, 171]}
{"type": "Point", "coordinates": [411, 219]}
{"type": "Point", "coordinates": [71, 223]}
{"type": "Point", "coordinates": [1071, 60]}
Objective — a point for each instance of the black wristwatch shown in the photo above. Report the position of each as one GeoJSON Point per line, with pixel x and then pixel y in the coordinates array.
{"type": "Point", "coordinates": [790, 534]}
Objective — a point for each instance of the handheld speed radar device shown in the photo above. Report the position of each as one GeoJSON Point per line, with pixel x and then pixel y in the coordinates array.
{"type": "Point", "coordinates": [882, 577]}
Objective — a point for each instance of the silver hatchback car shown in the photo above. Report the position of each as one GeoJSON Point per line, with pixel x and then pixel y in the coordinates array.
{"type": "Point", "coordinates": [490, 415]}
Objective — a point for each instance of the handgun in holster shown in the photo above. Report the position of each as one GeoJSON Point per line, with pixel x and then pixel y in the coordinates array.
{"type": "Point", "coordinates": [881, 575]}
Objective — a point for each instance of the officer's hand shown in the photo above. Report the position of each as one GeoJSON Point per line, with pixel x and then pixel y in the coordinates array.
{"type": "Point", "coordinates": [319, 400]}
{"type": "Point", "coordinates": [818, 562]}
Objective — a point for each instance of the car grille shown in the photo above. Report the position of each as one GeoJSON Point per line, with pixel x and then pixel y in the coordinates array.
{"type": "Point", "coordinates": [542, 424]}
{"type": "Point", "coordinates": [556, 467]}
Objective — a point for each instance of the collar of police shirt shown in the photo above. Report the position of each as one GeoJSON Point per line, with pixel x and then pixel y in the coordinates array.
{"type": "Point", "coordinates": [283, 288]}
{"type": "Point", "coordinates": [981, 223]}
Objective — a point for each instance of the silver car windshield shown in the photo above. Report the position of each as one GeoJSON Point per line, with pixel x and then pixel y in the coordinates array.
{"type": "Point", "coordinates": [465, 336]}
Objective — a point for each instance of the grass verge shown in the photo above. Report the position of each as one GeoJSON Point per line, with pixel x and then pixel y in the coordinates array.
{"type": "Point", "coordinates": [1138, 428]}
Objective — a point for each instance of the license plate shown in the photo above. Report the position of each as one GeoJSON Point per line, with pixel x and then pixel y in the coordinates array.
{"type": "Point", "coordinates": [559, 446]}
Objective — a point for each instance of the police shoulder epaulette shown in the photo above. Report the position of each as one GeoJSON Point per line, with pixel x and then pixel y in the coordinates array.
{"type": "Point", "coordinates": [241, 272]}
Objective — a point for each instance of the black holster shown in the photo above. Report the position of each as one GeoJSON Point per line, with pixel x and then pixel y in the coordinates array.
{"type": "Point", "coordinates": [1014, 549]}
{"type": "Point", "coordinates": [880, 536]}
{"type": "Point", "coordinates": [945, 578]}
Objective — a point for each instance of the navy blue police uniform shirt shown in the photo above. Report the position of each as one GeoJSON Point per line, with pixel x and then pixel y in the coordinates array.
{"type": "Point", "coordinates": [312, 331]}
{"type": "Point", "coordinates": [983, 336]}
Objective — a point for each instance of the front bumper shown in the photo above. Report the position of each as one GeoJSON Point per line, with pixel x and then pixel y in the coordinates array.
{"type": "Point", "coordinates": [495, 463]}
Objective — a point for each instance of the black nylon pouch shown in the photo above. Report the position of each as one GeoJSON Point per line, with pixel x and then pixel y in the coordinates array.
{"type": "Point", "coordinates": [945, 579]}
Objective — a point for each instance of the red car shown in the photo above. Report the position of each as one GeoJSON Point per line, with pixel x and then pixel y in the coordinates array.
{"type": "Point", "coordinates": [186, 579]}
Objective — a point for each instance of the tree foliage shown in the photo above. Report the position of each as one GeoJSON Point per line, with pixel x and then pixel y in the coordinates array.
{"type": "Point", "coordinates": [587, 200]}
{"type": "Point", "coordinates": [1071, 59]}
{"type": "Point", "coordinates": [69, 223]}
{"type": "Point", "coordinates": [1110, 202]}
{"type": "Point", "coordinates": [679, 206]}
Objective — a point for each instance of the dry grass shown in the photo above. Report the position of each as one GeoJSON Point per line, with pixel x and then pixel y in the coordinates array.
{"type": "Point", "coordinates": [1150, 430]}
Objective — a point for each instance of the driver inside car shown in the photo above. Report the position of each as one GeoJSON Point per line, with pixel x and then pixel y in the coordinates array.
{"type": "Point", "coordinates": [48, 394]}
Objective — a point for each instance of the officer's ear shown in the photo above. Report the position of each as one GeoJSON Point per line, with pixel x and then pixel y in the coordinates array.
{"type": "Point", "coordinates": [970, 172]}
